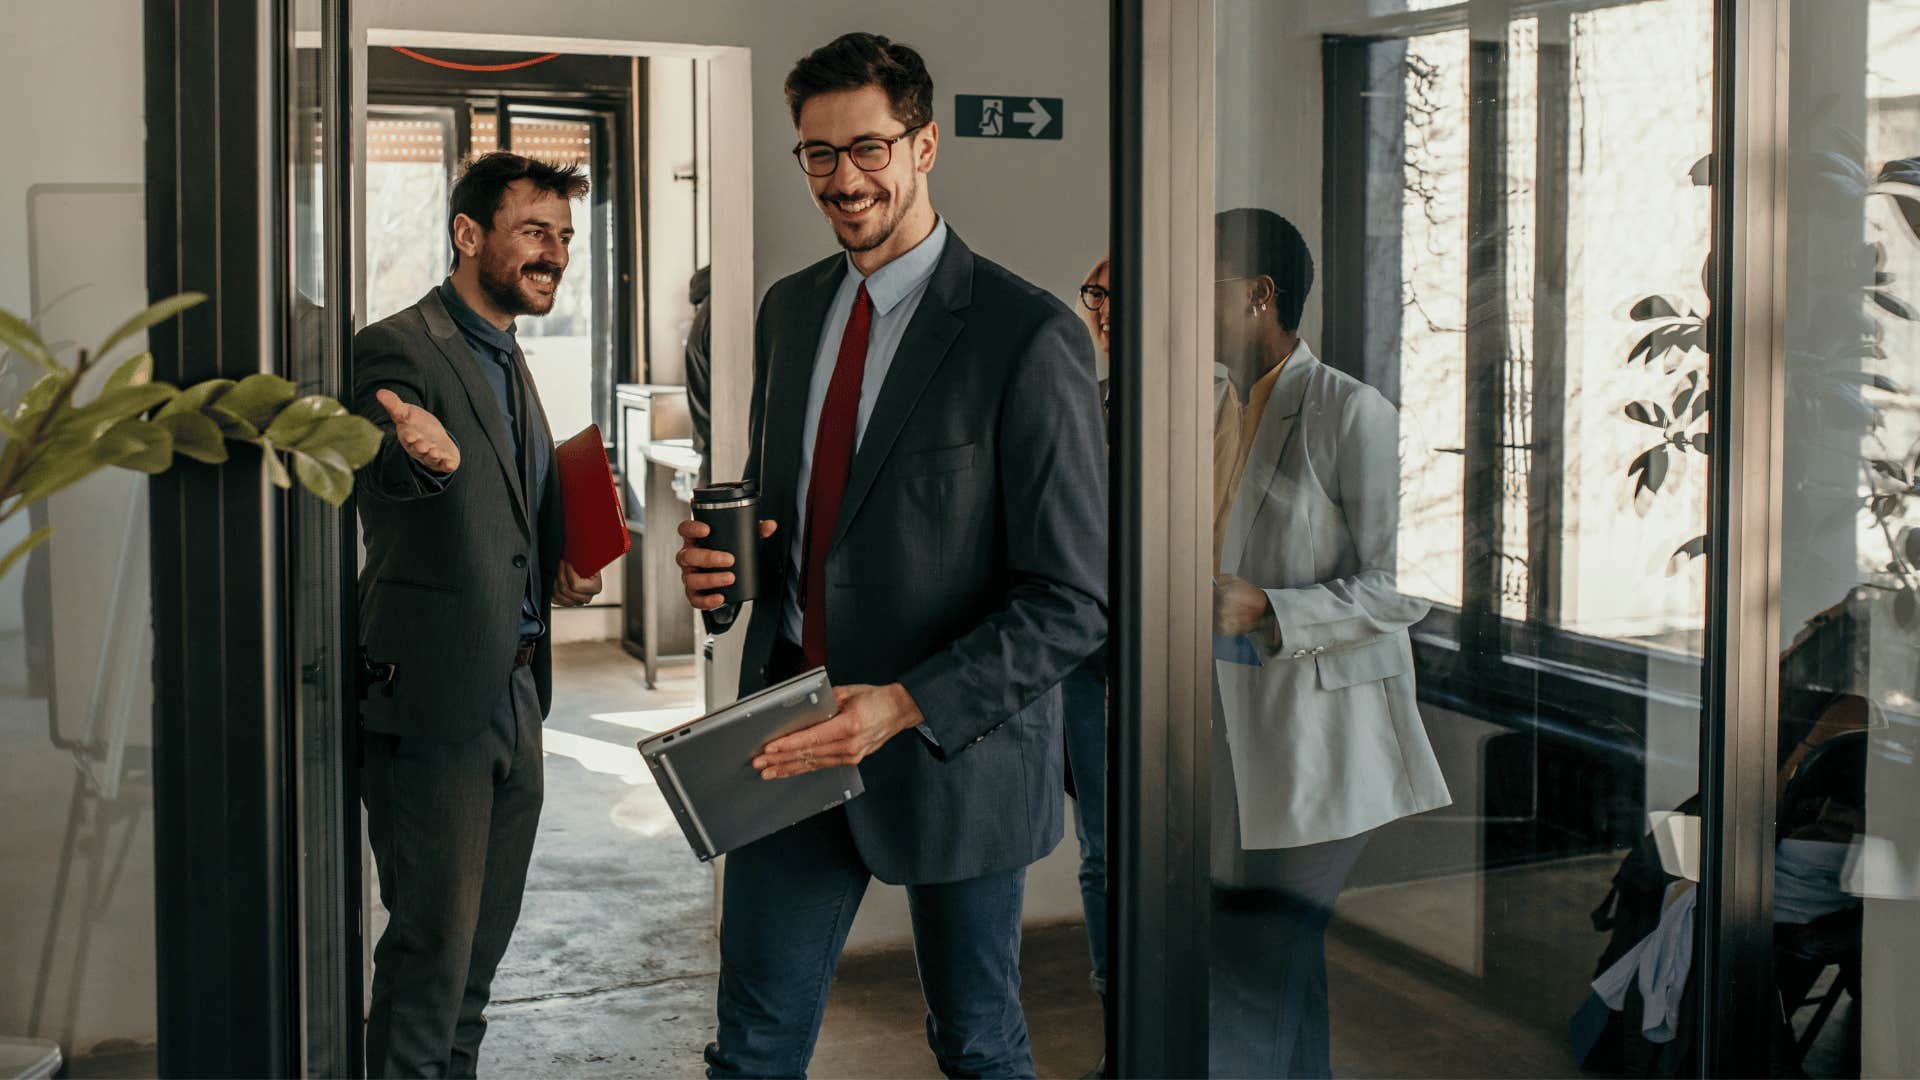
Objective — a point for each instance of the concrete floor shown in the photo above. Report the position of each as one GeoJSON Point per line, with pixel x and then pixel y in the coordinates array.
{"type": "Point", "coordinates": [611, 972]}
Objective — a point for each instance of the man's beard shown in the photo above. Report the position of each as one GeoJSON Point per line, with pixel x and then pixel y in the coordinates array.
{"type": "Point", "coordinates": [509, 289]}
{"type": "Point", "coordinates": [889, 223]}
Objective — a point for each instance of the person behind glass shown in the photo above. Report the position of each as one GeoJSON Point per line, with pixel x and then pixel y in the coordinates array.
{"type": "Point", "coordinates": [1084, 697]}
{"type": "Point", "coordinates": [1320, 740]}
{"type": "Point", "coordinates": [462, 521]}
{"type": "Point", "coordinates": [925, 429]}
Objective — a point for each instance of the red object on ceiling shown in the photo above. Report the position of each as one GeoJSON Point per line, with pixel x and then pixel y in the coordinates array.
{"type": "Point", "coordinates": [455, 65]}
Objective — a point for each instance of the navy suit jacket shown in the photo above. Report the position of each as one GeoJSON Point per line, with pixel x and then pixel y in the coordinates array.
{"type": "Point", "coordinates": [968, 561]}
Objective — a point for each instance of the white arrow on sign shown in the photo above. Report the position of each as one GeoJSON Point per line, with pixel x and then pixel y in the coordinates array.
{"type": "Point", "coordinates": [1035, 116]}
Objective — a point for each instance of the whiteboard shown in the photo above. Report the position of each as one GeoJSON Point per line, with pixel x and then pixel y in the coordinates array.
{"type": "Point", "coordinates": [87, 264]}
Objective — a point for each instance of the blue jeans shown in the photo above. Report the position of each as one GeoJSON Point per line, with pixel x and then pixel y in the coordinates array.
{"type": "Point", "coordinates": [789, 901]}
{"type": "Point", "coordinates": [1085, 692]}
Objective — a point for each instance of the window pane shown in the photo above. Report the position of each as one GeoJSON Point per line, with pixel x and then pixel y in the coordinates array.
{"type": "Point", "coordinates": [560, 345]}
{"type": "Point", "coordinates": [408, 250]}
{"type": "Point", "coordinates": [1456, 673]}
{"type": "Point", "coordinates": [1847, 887]}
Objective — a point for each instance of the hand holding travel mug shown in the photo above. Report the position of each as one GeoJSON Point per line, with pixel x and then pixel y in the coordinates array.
{"type": "Point", "coordinates": [731, 512]}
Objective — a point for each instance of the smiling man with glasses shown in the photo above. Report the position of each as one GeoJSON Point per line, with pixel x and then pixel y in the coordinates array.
{"type": "Point", "coordinates": [926, 437]}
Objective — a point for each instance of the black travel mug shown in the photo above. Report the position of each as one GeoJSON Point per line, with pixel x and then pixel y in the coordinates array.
{"type": "Point", "coordinates": [732, 513]}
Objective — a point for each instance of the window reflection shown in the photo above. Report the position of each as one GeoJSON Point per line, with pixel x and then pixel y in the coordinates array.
{"type": "Point", "coordinates": [1427, 859]}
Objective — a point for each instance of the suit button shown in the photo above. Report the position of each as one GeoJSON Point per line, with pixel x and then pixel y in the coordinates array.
{"type": "Point", "coordinates": [520, 562]}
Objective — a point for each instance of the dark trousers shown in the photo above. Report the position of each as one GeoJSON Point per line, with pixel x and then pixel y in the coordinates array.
{"type": "Point", "coordinates": [788, 901]}
{"type": "Point", "coordinates": [1268, 996]}
{"type": "Point", "coordinates": [1085, 693]}
{"type": "Point", "coordinates": [451, 825]}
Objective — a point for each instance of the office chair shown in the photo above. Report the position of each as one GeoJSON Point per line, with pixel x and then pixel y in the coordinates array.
{"type": "Point", "coordinates": [1834, 773]}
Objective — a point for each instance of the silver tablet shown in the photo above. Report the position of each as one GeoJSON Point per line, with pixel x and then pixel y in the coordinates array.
{"type": "Point", "coordinates": [705, 767]}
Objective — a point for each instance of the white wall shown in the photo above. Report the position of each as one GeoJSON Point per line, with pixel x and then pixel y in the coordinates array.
{"type": "Point", "coordinates": [1039, 208]}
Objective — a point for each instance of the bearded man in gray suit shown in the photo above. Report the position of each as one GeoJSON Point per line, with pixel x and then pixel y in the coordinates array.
{"type": "Point", "coordinates": [463, 528]}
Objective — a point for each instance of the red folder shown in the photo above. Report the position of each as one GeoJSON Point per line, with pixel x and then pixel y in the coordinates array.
{"type": "Point", "coordinates": [596, 527]}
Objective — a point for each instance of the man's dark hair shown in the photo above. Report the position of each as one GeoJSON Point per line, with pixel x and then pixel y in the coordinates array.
{"type": "Point", "coordinates": [480, 188]}
{"type": "Point", "coordinates": [852, 61]}
{"type": "Point", "coordinates": [1251, 242]}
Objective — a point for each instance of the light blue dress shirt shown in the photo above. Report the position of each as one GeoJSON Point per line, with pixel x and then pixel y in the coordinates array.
{"type": "Point", "coordinates": [895, 290]}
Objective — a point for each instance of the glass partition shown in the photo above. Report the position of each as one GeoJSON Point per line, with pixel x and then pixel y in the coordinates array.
{"type": "Point", "coordinates": [1846, 906]}
{"type": "Point", "coordinates": [77, 942]}
{"type": "Point", "coordinates": [1459, 502]}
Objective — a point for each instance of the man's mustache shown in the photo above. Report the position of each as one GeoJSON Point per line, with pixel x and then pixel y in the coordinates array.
{"type": "Point", "coordinates": [543, 268]}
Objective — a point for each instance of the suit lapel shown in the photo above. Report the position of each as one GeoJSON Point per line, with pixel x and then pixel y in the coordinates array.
{"type": "Point", "coordinates": [1282, 412]}
{"type": "Point", "coordinates": [789, 378]}
{"type": "Point", "coordinates": [936, 323]}
{"type": "Point", "coordinates": [459, 356]}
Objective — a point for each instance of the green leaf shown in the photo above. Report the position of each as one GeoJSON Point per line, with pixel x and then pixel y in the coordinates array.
{"type": "Point", "coordinates": [232, 425]}
{"type": "Point", "coordinates": [17, 334]}
{"type": "Point", "coordinates": [140, 445]}
{"type": "Point", "coordinates": [298, 420]}
{"type": "Point", "coordinates": [257, 399]}
{"type": "Point", "coordinates": [137, 371]}
{"type": "Point", "coordinates": [153, 316]}
{"type": "Point", "coordinates": [354, 438]}
{"type": "Point", "coordinates": [198, 396]}
{"type": "Point", "coordinates": [195, 436]}
{"type": "Point", "coordinates": [21, 549]}
{"type": "Point", "coordinates": [275, 469]}
{"type": "Point", "coordinates": [40, 396]}
{"type": "Point", "coordinates": [325, 474]}
{"type": "Point", "coordinates": [114, 406]}
{"type": "Point", "coordinates": [60, 463]}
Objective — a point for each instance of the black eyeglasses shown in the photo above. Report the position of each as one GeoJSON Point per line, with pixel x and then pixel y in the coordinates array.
{"type": "Point", "coordinates": [1094, 297]}
{"type": "Point", "coordinates": [867, 155]}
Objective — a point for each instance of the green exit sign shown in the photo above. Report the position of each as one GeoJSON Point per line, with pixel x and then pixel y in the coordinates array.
{"type": "Point", "coordinates": [1007, 116]}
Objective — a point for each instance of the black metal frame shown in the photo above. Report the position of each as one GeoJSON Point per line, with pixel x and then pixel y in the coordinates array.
{"type": "Point", "coordinates": [1737, 1007]}
{"type": "Point", "coordinates": [223, 844]}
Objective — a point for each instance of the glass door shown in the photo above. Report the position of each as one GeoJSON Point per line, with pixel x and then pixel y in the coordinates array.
{"type": "Point", "coordinates": [1422, 491]}
{"type": "Point", "coordinates": [1846, 898]}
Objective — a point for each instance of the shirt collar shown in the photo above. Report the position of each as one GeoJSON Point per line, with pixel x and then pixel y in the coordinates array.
{"type": "Point", "coordinates": [899, 279]}
{"type": "Point", "coordinates": [470, 321]}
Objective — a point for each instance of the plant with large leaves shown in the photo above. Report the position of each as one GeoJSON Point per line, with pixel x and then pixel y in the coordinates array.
{"type": "Point", "coordinates": [133, 422]}
{"type": "Point", "coordinates": [1676, 339]}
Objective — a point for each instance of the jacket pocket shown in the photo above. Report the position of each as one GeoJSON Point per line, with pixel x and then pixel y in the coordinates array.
{"type": "Point", "coordinates": [929, 462]}
{"type": "Point", "coordinates": [414, 583]}
{"type": "Point", "coordinates": [1380, 659]}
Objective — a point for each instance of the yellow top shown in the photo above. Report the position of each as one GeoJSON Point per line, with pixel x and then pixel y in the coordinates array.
{"type": "Point", "coordinates": [1234, 429]}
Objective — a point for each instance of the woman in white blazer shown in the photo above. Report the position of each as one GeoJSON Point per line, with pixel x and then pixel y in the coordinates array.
{"type": "Point", "coordinates": [1318, 738]}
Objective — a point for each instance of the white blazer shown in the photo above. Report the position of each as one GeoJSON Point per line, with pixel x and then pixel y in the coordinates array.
{"type": "Point", "coordinates": [1324, 735]}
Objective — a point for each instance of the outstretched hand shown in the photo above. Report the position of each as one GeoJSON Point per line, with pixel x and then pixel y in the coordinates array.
{"type": "Point", "coordinates": [420, 434]}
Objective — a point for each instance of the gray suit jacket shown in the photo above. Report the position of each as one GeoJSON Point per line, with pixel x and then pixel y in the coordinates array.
{"type": "Point", "coordinates": [968, 562]}
{"type": "Point", "coordinates": [445, 570]}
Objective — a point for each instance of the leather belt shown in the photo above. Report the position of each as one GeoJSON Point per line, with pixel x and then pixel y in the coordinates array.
{"type": "Point", "coordinates": [524, 654]}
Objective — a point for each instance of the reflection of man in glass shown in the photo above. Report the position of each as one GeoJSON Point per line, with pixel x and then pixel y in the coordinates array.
{"type": "Point", "coordinates": [1318, 740]}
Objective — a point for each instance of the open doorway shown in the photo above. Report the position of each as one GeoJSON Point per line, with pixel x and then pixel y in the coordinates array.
{"type": "Point", "coordinates": [612, 970]}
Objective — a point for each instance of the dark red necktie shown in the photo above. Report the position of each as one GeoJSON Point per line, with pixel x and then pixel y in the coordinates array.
{"type": "Point", "coordinates": [832, 458]}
